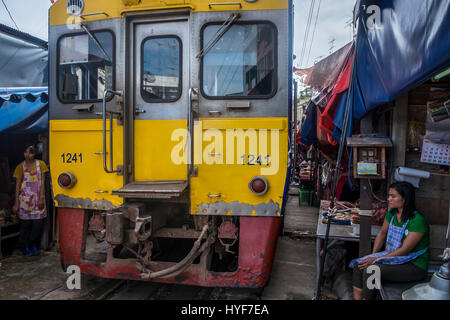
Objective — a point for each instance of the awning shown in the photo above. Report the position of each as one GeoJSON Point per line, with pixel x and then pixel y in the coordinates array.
{"type": "Point", "coordinates": [400, 45]}
{"type": "Point", "coordinates": [324, 74]}
{"type": "Point", "coordinates": [23, 59]}
{"type": "Point", "coordinates": [23, 110]}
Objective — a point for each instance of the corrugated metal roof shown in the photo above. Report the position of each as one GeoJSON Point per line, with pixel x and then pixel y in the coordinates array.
{"type": "Point", "coordinates": [23, 110]}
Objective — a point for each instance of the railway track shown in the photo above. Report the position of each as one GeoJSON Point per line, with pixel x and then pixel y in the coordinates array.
{"type": "Point", "coordinates": [141, 290]}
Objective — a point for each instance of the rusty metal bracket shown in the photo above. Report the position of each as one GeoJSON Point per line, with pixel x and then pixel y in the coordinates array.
{"type": "Point", "coordinates": [228, 230]}
{"type": "Point", "coordinates": [143, 228]}
{"type": "Point", "coordinates": [97, 227]}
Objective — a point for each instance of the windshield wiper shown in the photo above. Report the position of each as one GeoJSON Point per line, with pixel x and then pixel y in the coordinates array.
{"type": "Point", "coordinates": [96, 41]}
{"type": "Point", "coordinates": [224, 28]}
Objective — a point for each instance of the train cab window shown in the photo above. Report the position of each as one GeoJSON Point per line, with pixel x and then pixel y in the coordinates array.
{"type": "Point", "coordinates": [161, 69]}
{"type": "Point", "coordinates": [241, 63]}
{"type": "Point", "coordinates": [85, 66]}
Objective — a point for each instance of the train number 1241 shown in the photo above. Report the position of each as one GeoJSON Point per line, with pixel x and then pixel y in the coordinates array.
{"type": "Point", "coordinates": [72, 157]}
{"type": "Point", "coordinates": [252, 160]}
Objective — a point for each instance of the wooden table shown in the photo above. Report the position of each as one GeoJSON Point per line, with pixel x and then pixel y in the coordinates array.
{"type": "Point", "coordinates": [338, 232]}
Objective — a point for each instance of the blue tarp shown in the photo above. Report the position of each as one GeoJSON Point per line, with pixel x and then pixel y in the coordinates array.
{"type": "Point", "coordinates": [23, 110]}
{"type": "Point", "coordinates": [400, 44]}
{"type": "Point", "coordinates": [309, 128]}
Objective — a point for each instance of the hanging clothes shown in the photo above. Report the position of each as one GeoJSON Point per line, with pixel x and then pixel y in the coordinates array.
{"type": "Point", "coordinates": [338, 96]}
{"type": "Point", "coordinates": [308, 135]}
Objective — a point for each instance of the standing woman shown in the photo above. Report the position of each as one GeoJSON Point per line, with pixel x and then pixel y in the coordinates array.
{"type": "Point", "coordinates": [30, 200]}
{"type": "Point", "coordinates": [406, 234]}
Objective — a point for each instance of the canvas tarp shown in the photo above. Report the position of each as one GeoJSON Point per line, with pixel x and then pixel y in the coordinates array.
{"type": "Point", "coordinates": [400, 44]}
{"type": "Point", "coordinates": [23, 82]}
{"type": "Point", "coordinates": [23, 110]}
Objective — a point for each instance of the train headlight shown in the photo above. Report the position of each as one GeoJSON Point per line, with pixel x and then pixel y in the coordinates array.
{"type": "Point", "coordinates": [259, 185]}
{"type": "Point", "coordinates": [67, 180]}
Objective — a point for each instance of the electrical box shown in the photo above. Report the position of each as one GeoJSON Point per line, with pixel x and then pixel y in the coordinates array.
{"type": "Point", "coordinates": [369, 156]}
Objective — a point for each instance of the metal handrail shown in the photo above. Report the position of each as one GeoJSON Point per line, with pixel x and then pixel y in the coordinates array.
{"type": "Point", "coordinates": [225, 4]}
{"type": "Point", "coordinates": [190, 133]}
{"type": "Point", "coordinates": [82, 16]}
{"type": "Point", "coordinates": [188, 138]}
{"type": "Point", "coordinates": [110, 132]}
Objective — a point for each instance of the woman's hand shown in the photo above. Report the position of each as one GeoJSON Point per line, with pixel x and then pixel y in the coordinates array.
{"type": "Point", "coordinates": [41, 203]}
{"type": "Point", "coordinates": [15, 208]}
{"type": "Point", "coordinates": [366, 262]}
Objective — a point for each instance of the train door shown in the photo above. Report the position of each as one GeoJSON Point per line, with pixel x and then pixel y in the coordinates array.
{"type": "Point", "coordinates": [160, 76]}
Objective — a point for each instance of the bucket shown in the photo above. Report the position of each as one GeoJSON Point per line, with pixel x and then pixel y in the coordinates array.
{"type": "Point", "coordinates": [305, 197]}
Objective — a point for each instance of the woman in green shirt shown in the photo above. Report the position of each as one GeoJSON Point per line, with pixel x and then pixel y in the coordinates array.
{"type": "Point", "coordinates": [407, 236]}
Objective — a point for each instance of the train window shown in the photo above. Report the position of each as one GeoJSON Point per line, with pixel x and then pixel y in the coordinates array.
{"type": "Point", "coordinates": [161, 69]}
{"type": "Point", "coordinates": [241, 64]}
{"type": "Point", "coordinates": [85, 66]}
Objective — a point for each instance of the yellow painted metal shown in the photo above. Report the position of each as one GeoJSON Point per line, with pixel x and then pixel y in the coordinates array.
{"type": "Point", "coordinates": [244, 123]}
{"type": "Point", "coordinates": [117, 8]}
{"type": "Point", "coordinates": [85, 137]}
{"type": "Point", "coordinates": [227, 176]}
{"type": "Point", "coordinates": [156, 143]}
{"type": "Point", "coordinates": [131, 2]}
{"type": "Point", "coordinates": [153, 147]}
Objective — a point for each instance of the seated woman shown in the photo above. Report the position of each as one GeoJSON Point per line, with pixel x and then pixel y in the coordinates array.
{"type": "Point", "coordinates": [407, 236]}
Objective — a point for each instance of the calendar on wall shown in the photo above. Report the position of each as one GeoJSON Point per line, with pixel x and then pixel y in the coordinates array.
{"type": "Point", "coordinates": [435, 153]}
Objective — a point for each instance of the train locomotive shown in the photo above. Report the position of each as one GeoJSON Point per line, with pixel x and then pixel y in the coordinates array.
{"type": "Point", "coordinates": [169, 137]}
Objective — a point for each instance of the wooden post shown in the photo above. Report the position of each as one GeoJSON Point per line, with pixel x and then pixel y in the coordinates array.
{"type": "Point", "coordinates": [365, 203]}
{"type": "Point", "coordinates": [365, 200]}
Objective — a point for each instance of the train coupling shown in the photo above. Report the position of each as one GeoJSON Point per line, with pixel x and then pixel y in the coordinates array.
{"type": "Point", "coordinates": [131, 224]}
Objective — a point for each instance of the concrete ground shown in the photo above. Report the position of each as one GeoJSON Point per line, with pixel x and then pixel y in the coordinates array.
{"type": "Point", "coordinates": [292, 278]}
{"type": "Point", "coordinates": [294, 271]}
{"type": "Point", "coordinates": [30, 278]}
{"type": "Point", "coordinates": [38, 278]}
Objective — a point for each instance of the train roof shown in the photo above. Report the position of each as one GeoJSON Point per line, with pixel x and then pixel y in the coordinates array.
{"type": "Point", "coordinates": [108, 9]}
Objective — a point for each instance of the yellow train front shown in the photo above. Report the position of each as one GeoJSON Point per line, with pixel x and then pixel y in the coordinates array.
{"type": "Point", "coordinates": [169, 126]}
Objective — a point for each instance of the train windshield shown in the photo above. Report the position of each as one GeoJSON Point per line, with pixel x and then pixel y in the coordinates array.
{"type": "Point", "coordinates": [241, 64]}
{"type": "Point", "coordinates": [161, 74]}
{"type": "Point", "coordinates": [85, 66]}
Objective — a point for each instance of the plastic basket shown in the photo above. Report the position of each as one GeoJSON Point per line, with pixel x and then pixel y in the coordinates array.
{"type": "Point", "coordinates": [305, 197]}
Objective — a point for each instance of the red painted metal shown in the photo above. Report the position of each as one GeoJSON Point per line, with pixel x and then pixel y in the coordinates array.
{"type": "Point", "coordinates": [258, 237]}
{"type": "Point", "coordinates": [96, 223]}
{"type": "Point", "coordinates": [72, 234]}
{"type": "Point", "coordinates": [227, 230]}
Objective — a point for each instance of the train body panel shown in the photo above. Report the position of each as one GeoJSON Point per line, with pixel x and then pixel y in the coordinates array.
{"type": "Point", "coordinates": [232, 152]}
{"type": "Point", "coordinates": [75, 146]}
{"type": "Point", "coordinates": [153, 161]}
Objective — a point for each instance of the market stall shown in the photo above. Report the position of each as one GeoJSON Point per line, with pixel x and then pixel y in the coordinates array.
{"type": "Point", "coordinates": [23, 119]}
{"type": "Point", "coordinates": [352, 102]}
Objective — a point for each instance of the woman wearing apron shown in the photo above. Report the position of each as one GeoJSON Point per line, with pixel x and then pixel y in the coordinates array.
{"type": "Point", "coordinates": [30, 200]}
{"type": "Point", "coordinates": [406, 234]}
